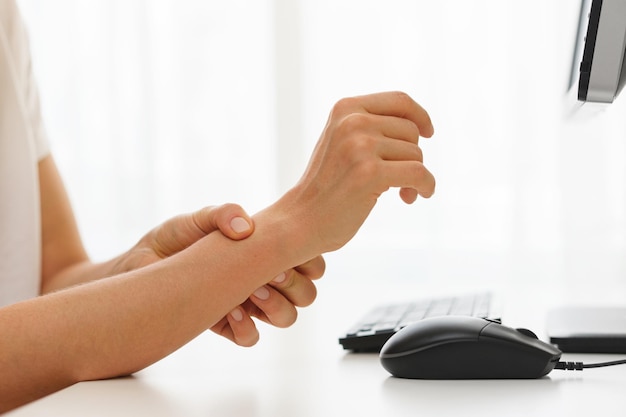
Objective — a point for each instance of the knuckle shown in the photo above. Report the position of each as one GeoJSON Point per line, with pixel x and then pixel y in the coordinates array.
{"type": "Point", "coordinates": [401, 97]}
{"type": "Point", "coordinates": [353, 123]}
{"type": "Point", "coordinates": [208, 209]}
{"type": "Point", "coordinates": [420, 154]}
{"type": "Point", "coordinates": [343, 106]}
{"type": "Point", "coordinates": [229, 209]}
{"type": "Point", "coordinates": [361, 146]}
{"type": "Point", "coordinates": [425, 181]}
{"type": "Point", "coordinates": [413, 131]}
{"type": "Point", "coordinates": [230, 206]}
{"type": "Point", "coordinates": [367, 170]}
{"type": "Point", "coordinates": [419, 171]}
{"type": "Point", "coordinates": [198, 218]}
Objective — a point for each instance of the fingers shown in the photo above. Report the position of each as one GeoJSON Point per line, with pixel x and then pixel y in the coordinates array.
{"type": "Point", "coordinates": [408, 195]}
{"type": "Point", "coordinates": [401, 121]}
{"type": "Point", "coordinates": [397, 128]}
{"type": "Point", "coordinates": [398, 150]}
{"type": "Point", "coordinates": [394, 103]}
{"type": "Point", "coordinates": [242, 326]}
{"type": "Point", "coordinates": [276, 302]}
{"type": "Point", "coordinates": [296, 288]}
{"type": "Point", "coordinates": [390, 139]}
{"type": "Point", "coordinates": [296, 284]}
{"type": "Point", "coordinates": [409, 174]}
{"type": "Point", "coordinates": [183, 231]}
{"type": "Point", "coordinates": [313, 269]}
{"type": "Point", "coordinates": [230, 219]}
{"type": "Point", "coordinates": [271, 306]}
{"type": "Point", "coordinates": [238, 327]}
{"type": "Point", "coordinates": [401, 105]}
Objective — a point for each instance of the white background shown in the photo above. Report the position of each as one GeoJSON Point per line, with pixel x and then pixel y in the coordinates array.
{"type": "Point", "coordinates": [159, 107]}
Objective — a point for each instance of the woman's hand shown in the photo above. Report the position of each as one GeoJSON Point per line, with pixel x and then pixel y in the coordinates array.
{"type": "Point", "coordinates": [370, 143]}
{"type": "Point", "coordinates": [274, 303]}
{"type": "Point", "coordinates": [183, 231]}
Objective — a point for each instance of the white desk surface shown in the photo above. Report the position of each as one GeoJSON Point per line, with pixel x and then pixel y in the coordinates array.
{"type": "Point", "coordinates": [302, 371]}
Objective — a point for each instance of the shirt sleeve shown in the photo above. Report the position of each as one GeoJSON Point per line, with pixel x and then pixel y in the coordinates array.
{"type": "Point", "coordinates": [24, 76]}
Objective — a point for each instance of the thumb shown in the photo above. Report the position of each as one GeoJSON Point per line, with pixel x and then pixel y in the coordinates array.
{"type": "Point", "coordinates": [230, 219]}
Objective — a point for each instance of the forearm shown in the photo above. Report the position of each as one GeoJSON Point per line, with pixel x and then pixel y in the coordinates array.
{"type": "Point", "coordinates": [78, 273]}
{"type": "Point", "coordinates": [121, 324]}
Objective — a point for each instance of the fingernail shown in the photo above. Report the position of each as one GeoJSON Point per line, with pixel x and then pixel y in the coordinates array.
{"type": "Point", "coordinates": [280, 278]}
{"type": "Point", "coordinates": [262, 293]}
{"type": "Point", "coordinates": [236, 314]}
{"type": "Point", "coordinates": [239, 225]}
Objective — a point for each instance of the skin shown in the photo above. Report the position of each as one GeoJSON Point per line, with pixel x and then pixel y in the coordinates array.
{"type": "Point", "coordinates": [65, 262]}
{"type": "Point", "coordinates": [195, 272]}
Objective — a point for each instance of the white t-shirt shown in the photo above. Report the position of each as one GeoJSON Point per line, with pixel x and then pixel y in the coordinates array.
{"type": "Point", "coordinates": [23, 144]}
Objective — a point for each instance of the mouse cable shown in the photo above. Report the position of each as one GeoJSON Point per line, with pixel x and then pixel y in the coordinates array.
{"type": "Point", "coordinates": [579, 366]}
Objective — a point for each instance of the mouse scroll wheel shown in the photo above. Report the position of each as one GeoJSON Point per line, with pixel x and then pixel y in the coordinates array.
{"type": "Point", "coordinates": [527, 333]}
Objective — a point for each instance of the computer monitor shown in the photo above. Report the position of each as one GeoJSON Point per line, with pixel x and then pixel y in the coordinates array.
{"type": "Point", "coordinates": [598, 76]}
{"type": "Point", "coordinates": [599, 67]}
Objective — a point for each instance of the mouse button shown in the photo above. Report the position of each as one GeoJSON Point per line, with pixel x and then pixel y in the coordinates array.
{"type": "Point", "coordinates": [528, 333]}
{"type": "Point", "coordinates": [508, 334]}
{"type": "Point", "coordinates": [498, 331]}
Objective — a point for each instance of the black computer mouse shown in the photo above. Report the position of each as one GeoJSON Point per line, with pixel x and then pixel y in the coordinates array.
{"type": "Point", "coordinates": [462, 347]}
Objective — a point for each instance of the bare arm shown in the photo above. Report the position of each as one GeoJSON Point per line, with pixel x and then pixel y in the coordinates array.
{"type": "Point", "coordinates": [65, 263]}
{"type": "Point", "coordinates": [118, 325]}
{"type": "Point", "coordinates": [124, 323]}
{"type": "Point", "coordinates": [62, 248]}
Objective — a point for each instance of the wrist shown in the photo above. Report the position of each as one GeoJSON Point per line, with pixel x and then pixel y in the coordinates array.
{"type": "Point", "coordinates": [289, 230]}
